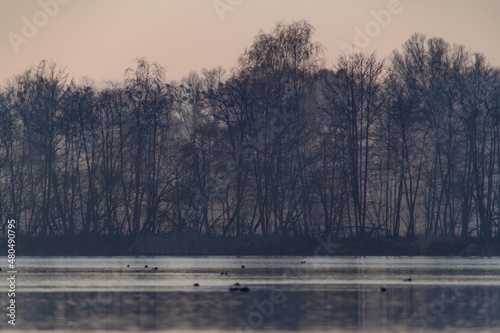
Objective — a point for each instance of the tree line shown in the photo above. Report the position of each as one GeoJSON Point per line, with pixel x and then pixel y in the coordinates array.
{"type": "Point", "coordinates": [282, 144]}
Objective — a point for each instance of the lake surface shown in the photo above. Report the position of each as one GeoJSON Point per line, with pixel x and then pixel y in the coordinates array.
{"type": "Point", "coordinates": [334, 294]}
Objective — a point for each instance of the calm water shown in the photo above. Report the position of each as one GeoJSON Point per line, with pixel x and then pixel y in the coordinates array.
{"type": "Point", "coordinates": [323, 294]}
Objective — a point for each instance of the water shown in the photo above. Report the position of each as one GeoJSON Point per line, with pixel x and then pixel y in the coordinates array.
{"type": "Point", "coordinates": [323, 294]}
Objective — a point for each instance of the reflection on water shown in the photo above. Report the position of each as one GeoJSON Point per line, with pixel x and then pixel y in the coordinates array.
{"type": "Point", "coordinates": [89, 294]}
{"type": "Point", "coordinates": [300, 310]}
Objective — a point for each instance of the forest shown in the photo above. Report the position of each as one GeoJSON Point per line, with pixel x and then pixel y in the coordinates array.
{"type": "Point", "coordinates": [283, 145]}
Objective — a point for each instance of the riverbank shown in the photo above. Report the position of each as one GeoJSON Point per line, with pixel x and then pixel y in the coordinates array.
{"type": "Point", "coordinates": [204, 245]}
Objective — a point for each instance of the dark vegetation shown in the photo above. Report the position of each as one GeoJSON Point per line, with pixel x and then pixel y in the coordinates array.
{"type": "Point", "coordinates": [248, 245]}
{"type": "Point", "coordinates": [395, 156]}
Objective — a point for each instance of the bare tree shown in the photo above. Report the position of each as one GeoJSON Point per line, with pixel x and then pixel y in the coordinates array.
{"type": "Point", "coordinates": [355, 98]}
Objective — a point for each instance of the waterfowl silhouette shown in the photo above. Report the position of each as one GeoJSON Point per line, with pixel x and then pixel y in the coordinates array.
{"type": "Point", "coordinates": [196, 285]}
{"type": "Point", "coordinates": [242, 266]}
{"type": "Point", "coordinates": [237, 286]}
{"type": "Point", "coordinates": [155, 269]}
{"type": "Point", "coordinates": [407, 280]}
{"type": "Point", "coordinates": [303, 262]}
{"type": "Point", "coordinates": [146, 266]}
{"type": "Point", "coordinates": [381, 289]}
{"type": "Point", "coordinates": [128, 265]}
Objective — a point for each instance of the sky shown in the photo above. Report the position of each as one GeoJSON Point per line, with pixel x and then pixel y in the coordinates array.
{"type": "Point", "coordinates": [99, 39]}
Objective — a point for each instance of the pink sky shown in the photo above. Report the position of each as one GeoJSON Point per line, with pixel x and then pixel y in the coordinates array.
{"type": "Point", "coordinates": [99, 39]}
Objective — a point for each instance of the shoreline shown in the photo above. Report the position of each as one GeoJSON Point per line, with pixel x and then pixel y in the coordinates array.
{"type": "Point", "coordinates": [206, 245]}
